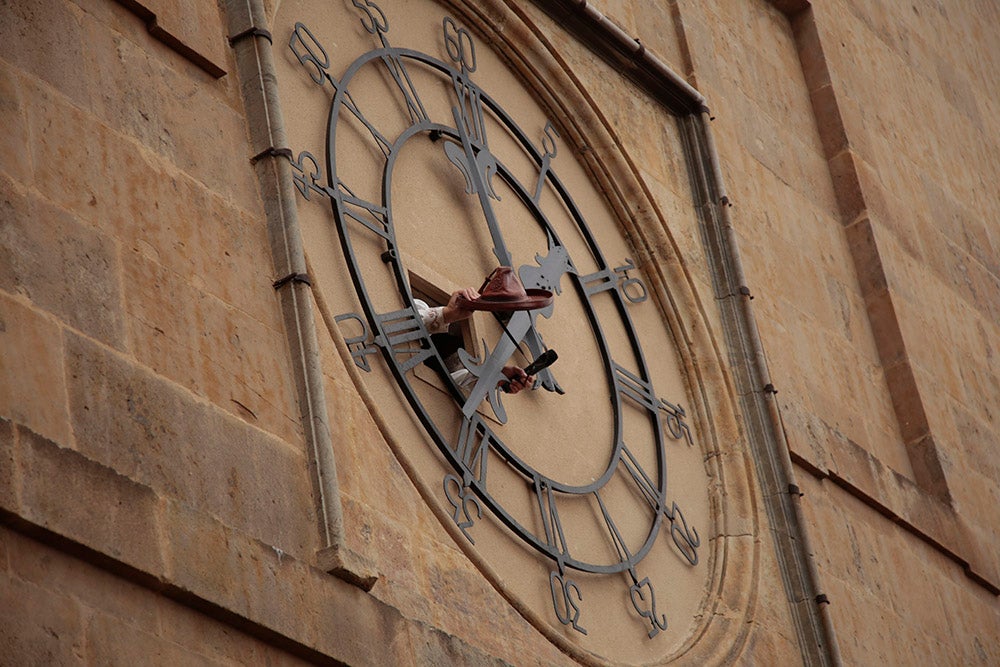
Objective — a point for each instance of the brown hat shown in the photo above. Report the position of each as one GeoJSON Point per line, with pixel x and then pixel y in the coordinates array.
{"type": "Point", "coordinates": [503, 292]}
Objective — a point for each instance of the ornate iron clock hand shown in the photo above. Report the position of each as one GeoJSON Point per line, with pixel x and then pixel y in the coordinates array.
{"type": "Point", "coordinates": [478, 168]}
{"type": "Point", "coordinates": [478, 164]}
{"type": "Point", "coordinates": [489, 372]}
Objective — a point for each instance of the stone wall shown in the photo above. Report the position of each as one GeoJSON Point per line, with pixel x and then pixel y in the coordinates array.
{"type": "Point", "coordinates": [859, 142]}
{"type": "Point", "coordinates": [157, 491]}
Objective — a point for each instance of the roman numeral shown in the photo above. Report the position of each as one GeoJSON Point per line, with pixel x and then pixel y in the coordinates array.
{"type": "Point", "coordinates": [643, 482]}
{"type": "Point", "coordinates": [616, 537]}
{"type": "Point", "coordinates": [599, 281]}
{"type": "Point", "coordinates": [383, 144]}
{"type": "Point", "coordinates": [631, 386]}
{"type": "Point", "coordinates": [414, 107]}
{"type": "Point", "coordinates": [473, 448]}
{"type": "Point", "coordinates": [549, 513]}
{"type": "Point", "coordinates": [470, 103]}
{"type": "Point", "coordinates": [374, 217]}
{"type": "Point", "coordinates": [400, 330]}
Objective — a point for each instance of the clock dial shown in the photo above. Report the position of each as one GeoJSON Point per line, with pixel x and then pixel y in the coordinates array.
{"type": "Point", "coordinates": [433, 184]}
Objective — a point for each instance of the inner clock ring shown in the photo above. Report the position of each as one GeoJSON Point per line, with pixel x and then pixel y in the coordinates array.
{"type": "Point", "coordinates": [575, 418]}
{"type": "Point", "coordinates": [343, 101]}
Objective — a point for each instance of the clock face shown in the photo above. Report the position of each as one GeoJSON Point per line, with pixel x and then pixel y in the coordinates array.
{"type": "Point", "coordinates": [584, 497]}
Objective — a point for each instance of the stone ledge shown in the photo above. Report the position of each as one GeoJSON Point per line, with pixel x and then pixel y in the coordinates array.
{"type": "Point", "coordinates": [191, 558]}
{"type": "Point", "coordinates": [902, 501]}
{"type": "Point", "coordinates": [348, 565]}
{"type": "Point", "coordinates": [180, 32]}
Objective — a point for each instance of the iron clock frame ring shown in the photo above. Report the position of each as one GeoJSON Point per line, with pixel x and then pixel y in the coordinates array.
{"type": "Point", "coordinates": [530, 475]}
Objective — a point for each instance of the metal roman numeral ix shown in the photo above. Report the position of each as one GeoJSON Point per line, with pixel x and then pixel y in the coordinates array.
{"type": "Point", "coordinates": [566, 595]}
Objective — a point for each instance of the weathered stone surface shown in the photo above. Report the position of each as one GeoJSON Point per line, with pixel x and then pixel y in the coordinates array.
{"type": "Point", "coordinates": [70, 155]}
{"type": "Point", "coordinates": [32, 382]}
{"type": "Point", "coordinates": [184, 410]}
{"type": "Point", "coordinates": [148, 99]}
{"type": "Point", "coordinates": [8, 468]}
{"type": "Point", "coordinates": [193, 29]}
{"type": "Point", "coordinates": [61, 265]}
{"type": "Point", "coordinates": [50, 568]}
{"type": "Point", "coordinates": [210, 347]}
{"type": "Point", "coordinates": [14, 141]}
{"type": "Point", "coordinates": [119, 618]}
{"type": "Point", "coordinates": [156, 433]}
{"type": "Point", "coordinates": [39, 626]}
{"type": "Point", "coordinates": [63, 492]}
{"type": "Point", "coordinates": [44, 39]}
{"type": "Point", "coordinates": [112, 640]}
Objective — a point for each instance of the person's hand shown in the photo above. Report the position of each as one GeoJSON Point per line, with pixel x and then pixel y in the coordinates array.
{"type": "Point", "coordinates": [517, 379]}
{"type": "Point", "coordinates": [452, 312]}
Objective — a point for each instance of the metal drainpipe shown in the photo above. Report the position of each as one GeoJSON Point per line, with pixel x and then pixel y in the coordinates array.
{"type": "Point", "coordinates": [764, 377]}
{"type": "Point", "coordinates": [654, 64]}
{"type": "Point", "coordinates": [255, 64]}
{"type": "Point", "coordinates": [639, 52]}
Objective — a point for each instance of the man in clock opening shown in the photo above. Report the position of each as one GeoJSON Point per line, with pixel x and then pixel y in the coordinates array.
{"type": "Point", "coordinates": [437, 319]}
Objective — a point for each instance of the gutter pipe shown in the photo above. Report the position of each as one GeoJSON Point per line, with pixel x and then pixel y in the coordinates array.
{"type": "Point", "coordinates": [251, 42]}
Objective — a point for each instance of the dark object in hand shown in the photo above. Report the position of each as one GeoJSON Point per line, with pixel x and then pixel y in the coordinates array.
{"type": "Point", "coordinates": [544, 360]}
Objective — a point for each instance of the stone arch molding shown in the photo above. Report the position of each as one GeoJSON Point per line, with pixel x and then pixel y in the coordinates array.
{"type": "Point", "coordinates": [733, 546]}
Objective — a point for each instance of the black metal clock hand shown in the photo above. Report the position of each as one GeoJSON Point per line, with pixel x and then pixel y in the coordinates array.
{"type": "Point", "coordinates": [478, 164]}
{"type": "Point", "coordinates": [490, 372]}
{"type": "Point", "coordinates": [475, 165]}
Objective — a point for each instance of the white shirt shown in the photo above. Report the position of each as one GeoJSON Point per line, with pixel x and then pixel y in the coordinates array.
{"type": "Point", "coordinates": [433, 319]}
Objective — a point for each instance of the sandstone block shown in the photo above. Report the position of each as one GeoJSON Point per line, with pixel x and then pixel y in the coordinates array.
{"type": "Point", "coordinates": [8, 468]}
{"type": "Point", "coordinates": [14, 140]}
{"type": "Point", "coordinates": [32, 385]}
{"type": "Point", "coordinates": [847, 186]}
{"type": "Point", "coordinates": [810, 46]}
{"type": "Point", "coordinates": [738, 549]}
{"type": "Point", "coordinates": [116, 641]}
{"type": "Point", "coordinates": [62, 266]}
{"type": "Point", "coordinates": [865, 251]}
{"type": "Point", "coordinates": [193, 29]}
{"type": "Point", "coordinates": [978, 499]}
{"type": "Point", "coordinates": [205, 558]}
{"type": "Point", "coordinates": [885, 328]}
{"type": "Point", "coordinates": [68, 154]}
{"type": "Point", "coordinates": [38, 626]}
{"type": "Point", "coordinates": [156, 433]}
{"type": "Point", "coordinates": [360, 447]}
{"type": "Point", "coordinates": [356, 628]}
{"type": "Point", "coordinates": [826, 109]}
{"type": "Point", "coordinates": [273, 591]}
{"type": "Point", "coordinates": [907, 402]}
{"type": "Point", "coordinates": [213, 349]}
{"type": "Point", "coordinates": [806, 434]}
{"type": "Point", "coordinates": [95, 588]}
{"type": "Point", "coordinates": [434, 647]}
{"type": "Point", "coordinates": [217, 641]}
{"type": "Point", "coordinates": [169, 111]}
{"type": "Point", "coordinates": [86, 502]}
{"type": "Point", "coordinates": [980, 440]}
{"type": "Point", "coordinates": [44, 39]}
{"type": "Point", "coordinates": [770, 646]}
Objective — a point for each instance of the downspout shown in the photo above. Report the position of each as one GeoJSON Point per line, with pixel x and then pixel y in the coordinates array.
{"type": "Point", "coordinates": [781, 449]}
{"type": "Point", "coordinates": [251, 43]}
{"type": "Point", "coordinates": [814, 626]}
{"type": "Point", "coordinates": [634, 48]}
